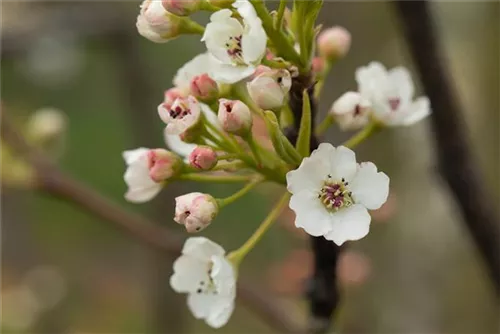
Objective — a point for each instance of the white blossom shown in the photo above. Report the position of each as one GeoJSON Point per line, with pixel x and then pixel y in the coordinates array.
{"type": "Point", "coordinates": [175, 143]}
{"type": "Point", "coordinates": [351, 111]}
{"type": "Point", "coordinates": [236, 47]}
{"type": "Point", "coordinates": [141, 187]}
{"type": "Point", "coordinates": [183, 114]}
{"type": "Point", "coordinates": [391, 95]}
{"type": "Point", "coordinates": [203, 272]}
{"type": "Point", "coordinates": [331, 194]}
{"type": "Point", "coordinates": [198, 65]}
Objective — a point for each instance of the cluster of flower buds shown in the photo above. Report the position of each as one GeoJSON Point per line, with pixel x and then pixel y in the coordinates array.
{"type": "Point", "coordinates": [244, 79]}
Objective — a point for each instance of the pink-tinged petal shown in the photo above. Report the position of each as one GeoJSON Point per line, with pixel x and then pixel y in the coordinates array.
{"type": "Point", "coordinates": [352, 223]}
{"type": "Point", "coordinates": [311, 214]}
{"type": "Point", "coordinates": [369, 187]}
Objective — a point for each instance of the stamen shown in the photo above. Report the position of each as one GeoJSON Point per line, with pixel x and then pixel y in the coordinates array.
{"type": "Point", "coordinates": [334, 195]}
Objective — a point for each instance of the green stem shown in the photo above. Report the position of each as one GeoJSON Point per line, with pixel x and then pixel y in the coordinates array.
{"type": "Point", "coordinates": [321, 82]}
{"type": "Point", "coordinates": [278, 39]}
{"type": "Point", "coordinates": [254, 148]}
{"type": "Point", "coordinates": [190, 27]}
{"type": "Point", "coordinates": [238, 255]}
{"type": "Point", "coordinates": [222, 202]}
{"type": "Point", "coordinates": [216, 178]}
{"type": "Point", "coordinates": [281, 12]}
{"type": "Point", "coordinates": [363, 134]}
{"type": "Point", "coordinates": [275, 64]}
{"type": "Point", "coordinates": [228, 156]}
{"type": "Point", "coordinates": [324, 125]}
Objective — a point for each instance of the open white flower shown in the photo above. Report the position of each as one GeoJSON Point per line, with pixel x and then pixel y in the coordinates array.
{"type": "Point", "coordinates": [141, 187]}
{"type": "Point", "coordinates": [196, 66]}
{"type": "Point", "coordinates": [203, 272]}
{"type": "Point", "coordinates": [175, 143]}
{"type": "Point", "coordinates": [331, 194]}
{"type": "Point", "coordinates": [236, 48]}
{"type": "Point", "coordinates": [183, 114]}
{"type": "Point", "coordinates": [351, 111]}
{"type": "Point", "coordinates": [391, 95]}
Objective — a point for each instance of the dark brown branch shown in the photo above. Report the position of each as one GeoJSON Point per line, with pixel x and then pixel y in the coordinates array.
{"type": "Point", "coordinates": [59, 184]}
{"type": "Point", "coordinates": [323, 292]}
{"type": "Point", "coordinates": [456, 163]}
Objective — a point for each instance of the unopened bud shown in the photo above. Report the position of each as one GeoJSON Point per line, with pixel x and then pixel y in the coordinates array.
{"type": "Point", "coordinates": [351, 111]}
{"type": "Point", "coordinates": [46, 124]}
{"type": "Point", "coordinates": [182, 7]}
{"type": "Point", "coordinates": [318, 65]}
{"type": "Point", "coordinates": [204, 88]}
{"type": "Point", "coordinates": [195, 211]}
{"type": "Point", "coordinates": [203, 158]}
{"type": "Point", "coordinates": [269, 89]}
{"type": "Point", "coordinates": [163, 164]}
{"type": "Point", "coordinates": [334, 42]}
{"type": "Point", "coordinates": [235, 117]}
{"type": "Point", "coordinates": [259, 70]}
{"type": "Point", "coordinates": [155, 23]}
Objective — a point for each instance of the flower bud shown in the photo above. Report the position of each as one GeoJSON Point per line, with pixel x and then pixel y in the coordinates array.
{"type": "Point", "coordinates": [204, 88]}
{"type": "Point", "coordinates": [269, 89]}
{"type": "Point", "coordinates": [221, 3]}
{"type": "Point", "coordinates": [171, 95]}
{"type": "Point", "coordinates": [259, 70]}
{"type": "Point", "coordinates": [334, 42]}
{"type": "Point", "coordinates": [163, 164]}
{"type": "Point", "coordinates": [235, 117]}
{"type": "Point", "coordinates": [351, 111]}
{"type": "Point", "coordinates": [182, 115]}
{"type": "Point", "coordinates": [182, 7]}
{"type": "Point", "coordinates": [203, 158]}
{"type": "Point", "coordinates": [156, 24]}
{"type": "Point", "coordinates": [195, 211]}
{"type": "Point", "coordinates": [46, 124]}
{"type": "Point", "coordinates": [318, 65]}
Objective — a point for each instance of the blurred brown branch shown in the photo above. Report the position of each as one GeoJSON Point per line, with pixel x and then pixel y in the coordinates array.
{"type": "Point", "coordinates": [456, 162]}
{"type": "Point", "coordinates": [58, 184]}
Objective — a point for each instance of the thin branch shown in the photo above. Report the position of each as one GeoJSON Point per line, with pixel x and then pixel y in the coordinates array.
{"type": "Point", "coordinates": [58, 184]}
{"type": "Point", "coordinates": [456, 163]}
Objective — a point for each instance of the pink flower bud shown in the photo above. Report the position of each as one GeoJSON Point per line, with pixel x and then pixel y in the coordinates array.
{"type": "Point", "coordinates": [181, 7]}
{"type": "Point", "coordinates": [195, 211]}
{"type": "Point", "coordinates": [259, 70]}
{"type": "Point", "coordinates": [156, 24]}
{"type": "Point", "coordinates": [171, 95]}
{"type": "Point", "coordinates": [204, 88]}
{"type": "Point", "coordinates": [203, 158]}
{"type": "Point", "coordinates": [235, 117]}
{"type": "Point", "coordinates": [269, 89]}
{"type": "Point", "coordinates": [318, 65]}
{"type": "Point", "coordinates": [334, 42]}
{"type": "Point", "coordinates": [163, 164]}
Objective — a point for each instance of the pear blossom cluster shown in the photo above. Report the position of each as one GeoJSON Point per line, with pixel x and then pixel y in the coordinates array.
{"type": "Point", "coordinates": [252, 60]}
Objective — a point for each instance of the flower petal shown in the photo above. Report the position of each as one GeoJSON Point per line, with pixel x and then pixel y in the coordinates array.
{"type": "Point", "coordinates": [352, 223]}
{"type": "Point", "coordinates": [189, 272]}
{"type": "Point", "coordinates": [311, 214]}
{"type": "Point", "coordinates": [175, 143]}
{"type": "Point", "coordinates": [202, 248]}
{"type": "Point", "coordinates": [369, 187]}
{"type": "Point", "coordinates": [400, 78]}
{"type": "Point", "coordinates": [215, 309]}
{"type": "Point", "coordinates": [309, 176]}
{"type": "Point", "coordinates": [223, 276]}
{"type": "Point", "coordinates": [221, 313]}
{"type": "Point", "coordinates": [343, 163]}
{"type": "Point", "coordinates": [229, 73]}
{"type": "Point", "coordinates": [419, 110]}
{"type": "Point", "coordinates": [141, 195]}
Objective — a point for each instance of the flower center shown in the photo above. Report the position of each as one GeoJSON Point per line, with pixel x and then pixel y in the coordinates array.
{"type": "Point", "coordinates": [234, 49]}
{"type": "Point", "coordinates": [180, 110]}
{"type": "Point", "coordinates": [208, 286]}
{"type": "Point", "coordinates": [394, 103]}
{"type": "Point", "coordinates": [335, 195]}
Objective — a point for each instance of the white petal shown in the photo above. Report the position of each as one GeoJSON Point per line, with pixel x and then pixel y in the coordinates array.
{"type": "Point", "coordinates": [132, 155]}
{"type": "Point", "coordinates": [219, 316]}
{"type": "Point", "coordinates": [175, 143]}
{"type": "Point", "coordinates": [254, 42]}
{"type": "Point", "coordinates": [245, 9]}
{"type": "Point", "coordinates": [352, 223]}
{"type": "Point", "coordinates": [311, 214]}
{"type": "Point", "coordinates": [343, 163]}
{"type": "Point", "coordinates": [188, 273]}
{"type": "Point", "coordinates": [346, 103]}
{"type": "Point", "coordinates": [371, 79]}
{"type": "Point", "coordinates": [210, 116]}
{"type": "Point", "coordinates": [196, 66]}
{"type": "Point", "coordinates": [223, 276]}
{"type": "Point", "coordinates": [229, 73]}
{"type": "Point", "coordinates": [419, 110]}
{"type": "Point", "coordinates": [310, 175]}
{"type": "Point", "coordinates": [202, 248]}
{"type": "Point", "coordinates": [200, 304]}
{"type": "Point", "coordinates": [400, 77]}
{"type": "Point", "coordinates": [369, 187]}
{"type": "Point", "coordinates": [215, 309]}
{"type": "Point", "coordinates": [141, 195]}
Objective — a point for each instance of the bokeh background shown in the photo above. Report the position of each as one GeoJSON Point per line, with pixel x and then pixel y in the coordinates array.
{"type": "Point", "coordinates": [66, 271]}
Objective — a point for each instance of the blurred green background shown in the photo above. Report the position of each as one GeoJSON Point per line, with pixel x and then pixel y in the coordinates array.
{"type": "Point", "coordinates": [416, 272]}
